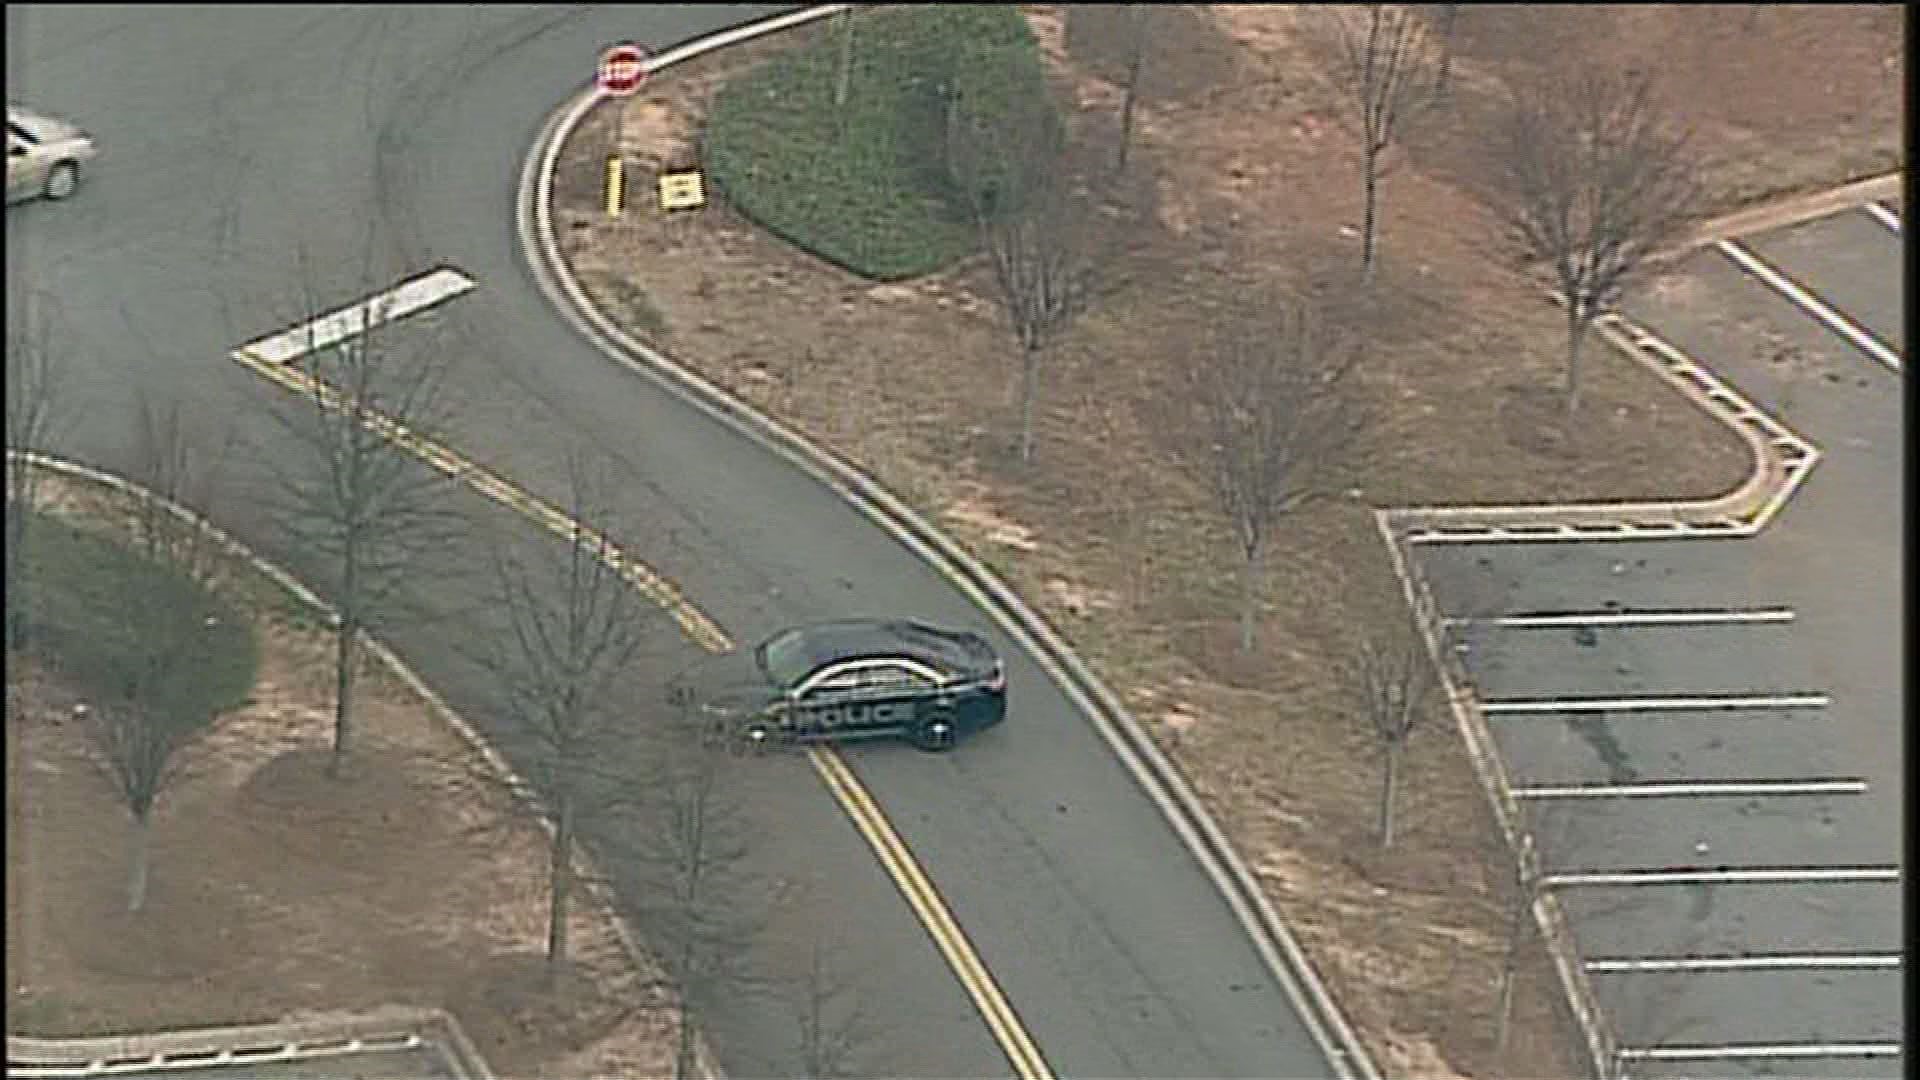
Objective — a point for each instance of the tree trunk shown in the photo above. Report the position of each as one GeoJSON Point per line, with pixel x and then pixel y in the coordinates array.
{"type": "Point", "coordinates": [1370, 181]}
{"type": "Point", "coordinates": [1503, 1009]}
{"type": "Point", "coordinates": [1250, 595]}
{"type": "Point", "coordinates": [1448, 13]}
{"type": "Point", "coordinates": [137, 870]}
{"type": "Point", "coordinates": [1576, 334]}
{"type": "Point", "coordinates": [846, 59]}
{"type": "Point", "coordinates": [560, 887]}
{"type": "Point", "coordinates": [17, 583]}
{"type": "Point", "coordinates": [1029, 389]}
{"type": "Point", "coordinates": [345, 637]}
{"type": "Point", "coordinates": [683, 1057]}
{"type": "Point", "coordinates": [1389, 786]}
{"type": "Point", "coordinates": [1134, 63]}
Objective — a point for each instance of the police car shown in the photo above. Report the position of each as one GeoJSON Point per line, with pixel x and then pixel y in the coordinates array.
{"type": "Point", "coordinates": [848, 679]}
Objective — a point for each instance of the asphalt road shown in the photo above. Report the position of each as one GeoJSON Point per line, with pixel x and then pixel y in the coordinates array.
{"type": "Point", "coordinates": [240, 144]}
{"type": "Point", "coordinates": [1832, 560]}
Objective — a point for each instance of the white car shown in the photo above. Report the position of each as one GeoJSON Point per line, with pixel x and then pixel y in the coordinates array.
{"type": "Point", "coordinates": [44, 155]}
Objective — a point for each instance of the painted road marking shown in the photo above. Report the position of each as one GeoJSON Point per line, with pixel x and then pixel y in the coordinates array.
{"type": "Point", "coordinates": [1777, 875]}
{"type": "Point", "coordinates": [1706, 789]}
{"type": "Point", "coordinates": [1686, 703]}
{"type": "Point", "coordinates": [933, 912]}
{"type": "Point", "coordinates": [1630, 618]}
{"type": "Point", "coordinates": [1760, 1050]}
{"type": "Point", "coordinates": [1771, 962]}
{"type": "Point", "coordinates": [841, 783]}
{"type": "Point", "coordinates": [334, 327]}
{"type": "Point", "coordinates": [1809, 303]}
{"type": "Point", "coordinates": [1883, 215]}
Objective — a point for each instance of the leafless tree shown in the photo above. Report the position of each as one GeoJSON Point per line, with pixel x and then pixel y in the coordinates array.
{"type": "Point", "coordinates": [574, 626]}
{"type": "Point", "coordinates": [1279, 423]}
{"type": "Point", "coordinates": [1390, 69]}
{"type": "Point", "coordinates": [1449, 21]}
{"type": "Point", "coordinates": [698, 905]}
{"type": "Point", "coordinates": [1033, 228]}
{"type": "Point", "coordinates": [1589, 183]}
{"type": "Point", "coordinates": [1137, 25]}
{"type": "Point", "coordinates": [355, 495]}
{"type": "Point", "coordinates": [1391, 671]}
{"type": "Point", "coordinates": [832, 1022]}
{"type": "Point", "coordinates": [174, 469]}
{"type": "Point", "coordinates": [34, 403]}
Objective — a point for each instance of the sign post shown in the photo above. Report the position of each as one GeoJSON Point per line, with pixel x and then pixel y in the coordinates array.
{"type": "Point", "coordinates": [622, 69]}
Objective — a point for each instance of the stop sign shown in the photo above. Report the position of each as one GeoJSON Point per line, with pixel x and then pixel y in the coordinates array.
{"type": "Point", "coordinates": [622, 69]}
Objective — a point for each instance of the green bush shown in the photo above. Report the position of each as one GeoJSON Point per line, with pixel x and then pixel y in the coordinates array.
{"type": "Point", "coordinates": [868, 186]}
{"type": "Point", "coordinates": [102, 613]}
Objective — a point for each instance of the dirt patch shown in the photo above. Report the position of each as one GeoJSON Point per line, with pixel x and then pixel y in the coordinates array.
{"type": "Point", "coordinates": [1245, 169]}
{"type": "Point", "coordinates": [276, 890]}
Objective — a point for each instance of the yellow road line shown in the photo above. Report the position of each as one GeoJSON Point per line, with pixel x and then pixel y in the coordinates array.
{"type": "Point", "coordinates": [692, 620]}
{"type": "Point", "coordinates": [846, 789]}
{"type": "Point", "coordinates": [925, 901]}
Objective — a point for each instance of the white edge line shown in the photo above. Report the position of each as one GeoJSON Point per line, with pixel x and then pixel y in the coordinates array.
{"type": "Point", "coordinates": [1809, 303]}
{"type": "Point", "coordinates": [1757, 876]}
{"type": "Point", "coordinates": [1288, 962]}
{"type": "Point", "coordinates": [1678, 703]}
{"type": "Point", "coordinates": [1773, 962]}
{"type": "Point", "coordinates": [1760, 1050]}
{"type": "Point", "coordinates": [1707, 789]}
{"type": "Point", "coordinates": [1883, 215]}
{"type": "Point", "coordinates": [1630, 618]}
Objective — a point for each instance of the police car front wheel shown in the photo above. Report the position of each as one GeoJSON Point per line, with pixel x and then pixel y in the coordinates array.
{"type": "Point", "coordinates": [934, 731]}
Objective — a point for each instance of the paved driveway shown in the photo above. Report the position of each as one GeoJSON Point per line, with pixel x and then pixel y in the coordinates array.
{"type": "Point", "coordinates": [234, 139]}
{"type": "Point", "coordinates": [1707, 735]}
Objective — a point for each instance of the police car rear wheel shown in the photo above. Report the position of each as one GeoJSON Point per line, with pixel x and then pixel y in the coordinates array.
{"type": "Point", "coordinates": [934, 731]}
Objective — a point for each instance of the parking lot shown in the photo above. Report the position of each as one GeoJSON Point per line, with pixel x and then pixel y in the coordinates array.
{"type": "Point", "coordinates": [1706, 734]}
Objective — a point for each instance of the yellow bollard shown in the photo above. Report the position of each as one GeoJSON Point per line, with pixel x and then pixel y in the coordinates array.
{"type": "Point", "coordinates": [616, 184]}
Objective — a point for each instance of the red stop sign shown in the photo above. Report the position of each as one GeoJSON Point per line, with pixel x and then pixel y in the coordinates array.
{"type": "Point", "coordinates": [622, 69]}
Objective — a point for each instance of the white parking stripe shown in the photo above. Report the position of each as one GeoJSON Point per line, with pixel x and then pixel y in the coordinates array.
{"type": "Point", "coordinates": [334, 327]}
{"type": "Point", "coordinates": [1630, 618]}
{"type": "Point", "coordinates": [1883, 215]}
{"type": "Point", "coordinates": [1703, 789]}
{"type": "Point", "coordinates": [1760, 1050]}
{"type": "Point", "coordinates": [1777, 875]}
{"type": "Point", "coordinates": [1809, 303]}
{"type": "Point", "coordinates": [1687, 703]}
{"type": "Point", "coordinates": [1774, 962]}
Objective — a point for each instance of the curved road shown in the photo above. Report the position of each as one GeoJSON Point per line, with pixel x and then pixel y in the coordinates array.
{"type": "Point", "coordinates": [238, 140]}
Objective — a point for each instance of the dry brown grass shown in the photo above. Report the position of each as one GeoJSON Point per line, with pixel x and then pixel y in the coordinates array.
{"type": "Point", "coordinates": [1243, 168]}
{"type": "Point", "coordinates": [276, 891]}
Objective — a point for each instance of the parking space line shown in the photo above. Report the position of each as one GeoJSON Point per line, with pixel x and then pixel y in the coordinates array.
{"type": "Point", "coordinates": [1775, 875]}
{"type": "Point", "coordinates": [1683, 703]}
{"type": "Point", "coordinates": [1884, 216]}
{"type": "Point", "coordinates": [1760, 1050]}
{"type": "Point", "coordinates": [1770, 962]}
{"type": "Point", "coordinates": [1809, 303]}
{"type": "Point", "coordinates": [1530, 620]}
{"type": "Point", "coordinates": [334, 327]}
{"type": "Point", "coordinates": [1705, 789]}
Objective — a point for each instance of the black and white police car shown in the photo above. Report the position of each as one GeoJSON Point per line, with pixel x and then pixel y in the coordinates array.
{"type": "Point", "coordinates": [851, 678]}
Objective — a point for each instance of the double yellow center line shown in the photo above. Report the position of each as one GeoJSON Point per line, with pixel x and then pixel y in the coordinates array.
{"type": "Point", "coordinates": [847, 790]}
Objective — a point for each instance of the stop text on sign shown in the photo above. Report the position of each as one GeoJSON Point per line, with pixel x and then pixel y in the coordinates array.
{"type": "Point", "coordinates": [622, 69]}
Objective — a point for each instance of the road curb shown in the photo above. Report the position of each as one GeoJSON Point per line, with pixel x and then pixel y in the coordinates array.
{"type": "Point", "coordinates": [1156, 775]}
{"type": "Point", "coordinates": [584, 867]}
{"type": "Point", "coordinates": [320, 1035]}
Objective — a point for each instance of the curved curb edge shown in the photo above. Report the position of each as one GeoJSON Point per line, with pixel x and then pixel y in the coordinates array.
{"type": "Point", "coordinates": [585, 869]}
{"type": "Point", "coordinates": [1281, 952]}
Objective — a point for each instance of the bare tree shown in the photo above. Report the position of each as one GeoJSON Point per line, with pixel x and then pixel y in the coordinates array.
{"type": "Point", "coordinates": [832, 1022]}
{"type": "Point", "coordinates": [1449, 21]}
{"type": "Point", "coordinates": [1391, 671]}
{"type": "Point", "coordinates": [1390, 69]}
{"type": "Point", "coordinates": [574, 628]}
{"type": "Point", "coordinates": [1590, 184]}
{"type": "Point", "coordinates": [1138, 25]}
{"type": "Point", "coordinates": [355, 495]}
{"type": "Point", "coordinates": [698, 906]}
{"type": "Point", "coordinates": [34, 375]}
{"type": "Point", "coordinates": [1279, 422]}
{"type": "Point", "coordinates": [168, 477]}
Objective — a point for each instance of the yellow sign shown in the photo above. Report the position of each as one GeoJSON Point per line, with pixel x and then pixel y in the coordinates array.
{"type": "Point", "coordinates": [682, 191]}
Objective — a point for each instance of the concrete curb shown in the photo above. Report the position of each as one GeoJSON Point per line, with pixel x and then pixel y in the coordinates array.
{"type": "Point", "coordinates": [591, 878]}
{"type": "Point", "coordinates": [323, 1035]}
{"type": "Point", "coordinates": [1278, 948]}
{"type": "Point", "coordinates": [1796, 209]}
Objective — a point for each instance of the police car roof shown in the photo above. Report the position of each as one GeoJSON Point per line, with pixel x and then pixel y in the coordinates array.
{"type": "Point", "coordinates": [848, 639]}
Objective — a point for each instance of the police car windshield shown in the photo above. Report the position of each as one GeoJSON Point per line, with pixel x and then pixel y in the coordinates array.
{"type": "Point", "coordinates": [784, 659]}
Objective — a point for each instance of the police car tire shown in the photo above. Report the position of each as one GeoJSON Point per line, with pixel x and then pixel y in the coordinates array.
{"type": "Point", "coordinates": [934, 730]}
